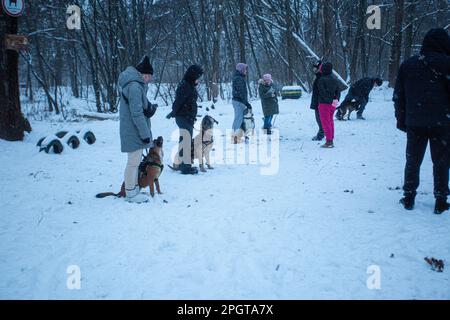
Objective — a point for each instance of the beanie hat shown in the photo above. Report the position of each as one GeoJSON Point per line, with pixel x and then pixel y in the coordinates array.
{"type": "Point", "coordinates": [193, 73]}
{"type": "Point", "coordinates": [145, 67]}
{"type": "Point", "coordinates": [241, 67]}
{"type": "Point", "coordinates": [267, 78]}
{"type": "Point", "coordinates": [436, 40]}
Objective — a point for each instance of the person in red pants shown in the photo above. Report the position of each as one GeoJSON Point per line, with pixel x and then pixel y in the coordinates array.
{"type": "Point", "coordinates": [329, 95]}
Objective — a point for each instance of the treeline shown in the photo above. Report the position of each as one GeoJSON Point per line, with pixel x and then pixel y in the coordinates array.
{"type": "Point", "coordinates": [281, 37]}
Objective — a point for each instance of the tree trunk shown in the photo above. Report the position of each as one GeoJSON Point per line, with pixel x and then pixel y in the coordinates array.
{"type": "Point", "coordinates": [242, 31]}
{"type": "Point", "coordinates": [396, 49]}
{"type": "Point", "coordinates": [215, 77]}
{"type": "Point", "coordinates": [409, 37]}
{"type": "Point", "coordinates": [12, 122]}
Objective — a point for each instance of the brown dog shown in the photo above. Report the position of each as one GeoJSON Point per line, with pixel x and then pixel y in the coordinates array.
{"type": "Point", "coordinates": [150, 170]}
{"type": "Point", "coordinates": [202, 144]}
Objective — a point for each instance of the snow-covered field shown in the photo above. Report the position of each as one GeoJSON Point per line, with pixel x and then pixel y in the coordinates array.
{"type": "Point", "coordinates": [311, 231]}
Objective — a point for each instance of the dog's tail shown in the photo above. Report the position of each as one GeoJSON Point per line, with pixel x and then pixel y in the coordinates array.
{"type": "Point", "coordinates": [107, 194]}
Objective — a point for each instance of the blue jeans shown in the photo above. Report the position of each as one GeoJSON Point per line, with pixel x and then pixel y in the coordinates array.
{"type": "Point", "coordinates": [268, 122]}
{"type": "Point", "coordinates": [239, 109]}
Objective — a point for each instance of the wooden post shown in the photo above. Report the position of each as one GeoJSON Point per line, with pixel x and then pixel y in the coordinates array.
{"type": "Point", "coordinates": [12, 122]}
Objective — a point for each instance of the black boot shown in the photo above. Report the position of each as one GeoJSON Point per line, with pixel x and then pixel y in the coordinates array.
{"type": "Point", "coordinates": [318, 137]}
{"type": "Point", "coordinates": [441, 206]}
{"type": "Point", "coordinates": [188, 169]}
{"type": "Point", "coordinates": [408, 202]}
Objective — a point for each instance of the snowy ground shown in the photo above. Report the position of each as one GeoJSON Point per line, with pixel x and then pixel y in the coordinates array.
{"type": "Point", "coordinates": [231, 233]}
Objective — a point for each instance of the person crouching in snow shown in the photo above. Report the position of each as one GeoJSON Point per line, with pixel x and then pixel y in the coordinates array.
{"type": "Point", "coordinates": [184, 110]}
{"type": "Point", "coordinates": [240, 101]}
{"type": "Point", "coordinates": [329, 95]}
{"type": "Point", "coordinates": [269, 101]}
{"type": "Point", "coordinates": [135, 125]}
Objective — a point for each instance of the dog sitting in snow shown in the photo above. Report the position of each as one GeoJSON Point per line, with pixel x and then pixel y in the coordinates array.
{"type": "Point", "coordinates": [202, 143]}
{"type": "Point", "coordinates": [248, 125]}
{"type": "Point", "coordinates": [345, 108]}
{"type": "Point", "coordinates": [150, 170]}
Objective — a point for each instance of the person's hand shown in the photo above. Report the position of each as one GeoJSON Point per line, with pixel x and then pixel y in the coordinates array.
{"type": "Point", "coordinates": [248, 105]}
{"type": "Point", "coordinates": [335, 103]}
{"type": "Point", "coordinates": [146, 140]}
{"type": "Point", "coordinates": [169, 116]}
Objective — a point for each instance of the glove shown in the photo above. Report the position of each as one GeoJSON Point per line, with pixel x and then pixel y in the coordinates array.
{"type": "Point", "coordinates": [146, 140]}
{"type": "Point", "coordinates": [169, 116]}
{"type": "Point", "coordinates": [151, 110]}
{"type": "Point", "coordinates": [401, 126]}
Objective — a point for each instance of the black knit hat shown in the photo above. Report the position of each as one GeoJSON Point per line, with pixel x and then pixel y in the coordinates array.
{"type": "Point", "coordinates": [436, 40]}
{"type": "Point", "coordinates": [145, 66]}
{"type": "Point", "coordinates": [193, 73]}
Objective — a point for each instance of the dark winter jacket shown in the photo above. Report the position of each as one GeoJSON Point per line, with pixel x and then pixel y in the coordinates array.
{"type": "Point", "coordinates": [361, 88]}
{"type": "Point", "coordinates": [422, 90]}
{"type": "Point", "coordinates": [269, 100]}
{"type": "Point", "coordinates": [185, 104]}
{"type": "Point", "coordinates": [240, 93]}
{"type": "Point", "coordinates": [315, 92]}
{"type": "Point", "coordinates": [329, 87]}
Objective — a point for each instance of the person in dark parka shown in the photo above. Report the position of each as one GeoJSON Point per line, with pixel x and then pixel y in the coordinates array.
{"type": "Point", "coordinates": [329, 95]}
{"type": "Point", "coordinates": [135, 124]}
{"type": "Point", "coordinates": [240, 100]}
{"type": "Point", "coordinates": [422, 109]}
{"type": "Point", "coordinates": [184, 110]}
{"type": "Point", "coordinates": [269, 101]}
{"type": "Point", "coordinates": [315, 101]}
{"type": "Point", "coordinates": [359, 92]}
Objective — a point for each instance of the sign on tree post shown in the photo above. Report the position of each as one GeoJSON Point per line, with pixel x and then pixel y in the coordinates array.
{"type": "Point", "coordinates": [12, 122]}
{"type": "Point", "coordinates": [13, 8]}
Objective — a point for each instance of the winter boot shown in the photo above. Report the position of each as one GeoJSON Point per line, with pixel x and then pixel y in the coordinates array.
{"type": "Point", "coordinates": [134, 196]}
{"type": "Point", "coordinates": [236, 138]}
{"type": "Point", "coordinates": [188, 169]}
{"type": "Point", "coordinates": [319, 136]}
{"type": "Point", "coordinates": [408, 201]}
{"type": "Point", "coordinates": [328, 145]}
{"type": "Point", "coordinates": [441, 206]}
{"type": "Point", "coordinates": [360, 117]}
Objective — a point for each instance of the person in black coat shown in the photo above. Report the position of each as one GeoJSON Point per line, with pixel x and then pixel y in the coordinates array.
{"type": "Point", "coordinates": [184, 110]}
{"type": "Point", "coordinates": [359, 92]}
{"type": "Point", "coordinates": [315, 101]}
{"type": "Point", "coordinates": [329, 94]}
{"type": "Point", "coordinates": [422, 109]}
{"type": "Point", "coordinates": [240, 101]}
